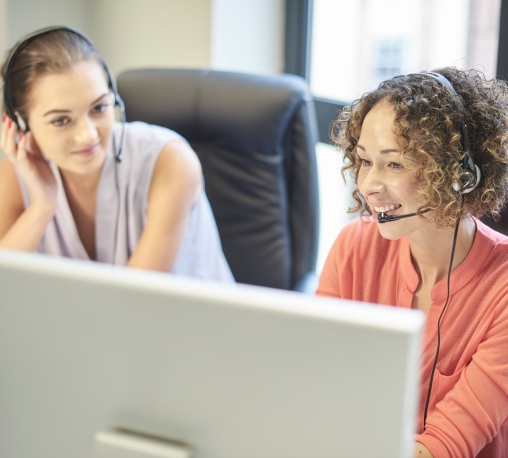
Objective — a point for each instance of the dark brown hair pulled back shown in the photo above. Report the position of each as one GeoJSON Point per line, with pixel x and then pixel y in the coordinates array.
{"type": "Point", "coordinates": [52, 52]}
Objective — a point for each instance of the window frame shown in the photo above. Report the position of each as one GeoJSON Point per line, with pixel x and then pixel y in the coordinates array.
{"type": "Point", "coordinates": [298, 48]}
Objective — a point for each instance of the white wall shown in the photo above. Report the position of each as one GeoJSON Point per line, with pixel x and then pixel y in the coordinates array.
{"type": "Point", "coordinates": [238, 35]}
{"type": "Point", "coordinates": [135, 33]}
{"type": "Point", "coordinates": [25, 16]}
{"type": "Point", "coordinates": [248, 36]}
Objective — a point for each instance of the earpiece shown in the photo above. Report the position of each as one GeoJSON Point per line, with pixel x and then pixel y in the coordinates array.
{"type": "Point", "coordinates": [22, 124]}
{"type": "Point", "coordinates": [471, 182]}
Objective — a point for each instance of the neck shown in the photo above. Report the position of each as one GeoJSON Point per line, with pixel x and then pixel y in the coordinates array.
{"type": "Point", "coordinates": [431, 251]}
{"type": "Point", "coordinates": [81, 183]}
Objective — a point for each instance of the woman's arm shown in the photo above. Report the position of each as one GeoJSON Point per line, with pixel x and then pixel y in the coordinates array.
{"type": "Point", "coordinates": [176, 185]}
{"type": "Point", "coordinates": [20, 228]}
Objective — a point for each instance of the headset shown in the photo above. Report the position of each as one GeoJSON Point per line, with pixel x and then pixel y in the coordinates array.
{"type": "Point", "coordinates": [471, 176]}
{"type": "Point", "coordinates": [468, 167]}
{"type": "Point", "coordinates": [22, 123]}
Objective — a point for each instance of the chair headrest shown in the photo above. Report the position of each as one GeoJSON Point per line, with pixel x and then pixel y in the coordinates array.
{"type": "Point", "coordinates": [207, 105]}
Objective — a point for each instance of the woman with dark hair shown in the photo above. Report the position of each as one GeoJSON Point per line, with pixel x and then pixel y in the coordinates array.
{"type": "Point", "coordinates": [76, 183]}
{"type": "Point", "coordinates": [429, 156]}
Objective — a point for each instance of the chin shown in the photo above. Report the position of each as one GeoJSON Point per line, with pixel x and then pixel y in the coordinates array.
{"type": "Point", "coordinates": [86, 166]}
{"type": "Point", "coordinates": [392, 230]}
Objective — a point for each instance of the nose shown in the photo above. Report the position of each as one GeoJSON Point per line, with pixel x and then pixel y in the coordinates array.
{"type": "Point", "coordinates": [86, 131]}
{"type": "Point", "coordinates": [371, 181]}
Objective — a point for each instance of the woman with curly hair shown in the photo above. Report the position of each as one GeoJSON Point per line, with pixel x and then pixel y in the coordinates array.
{"type": "Point", "coordinates": [429, 156]}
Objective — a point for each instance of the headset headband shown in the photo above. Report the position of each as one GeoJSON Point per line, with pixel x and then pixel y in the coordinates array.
{"type": "Point", "coordinates": [468, 164]}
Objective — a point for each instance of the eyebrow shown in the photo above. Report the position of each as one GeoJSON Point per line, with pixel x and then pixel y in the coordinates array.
{"type": "Point", "coordinates": [383, 151]}
{"type": "Point", "coordinates": [56, 111]}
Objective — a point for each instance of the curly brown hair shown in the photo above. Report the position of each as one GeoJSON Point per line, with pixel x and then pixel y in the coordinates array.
{"type": "Point", "coordinates": [426, 123]}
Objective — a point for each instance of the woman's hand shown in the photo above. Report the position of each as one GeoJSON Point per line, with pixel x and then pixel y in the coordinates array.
{"type": "Point", "coordinates": [27, 159]}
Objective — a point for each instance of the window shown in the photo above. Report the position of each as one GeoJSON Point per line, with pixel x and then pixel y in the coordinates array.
{"type": "Point", "coordinates": [388, 59]}
{"type": "Point", "coordinates": [357, 44]}
{"type": "Point", "coordinates": [347, 47]}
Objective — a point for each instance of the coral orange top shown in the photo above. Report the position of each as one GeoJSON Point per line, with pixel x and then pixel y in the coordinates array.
{"type": "Point", "coordinates": [468, 409]}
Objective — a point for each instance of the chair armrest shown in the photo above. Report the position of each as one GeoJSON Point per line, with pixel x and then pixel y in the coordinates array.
{"type": "Point", "coordinates": [308, 283]}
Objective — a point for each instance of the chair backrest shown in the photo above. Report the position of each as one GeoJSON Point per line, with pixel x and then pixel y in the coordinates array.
{"type": "Point", "coordinates": [501, 225]}
{"type": "Point", "coordinates": [255, 136]}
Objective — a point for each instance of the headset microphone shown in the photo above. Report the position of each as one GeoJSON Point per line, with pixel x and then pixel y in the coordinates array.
{"type": "Point", "coordinates": [384, 218]}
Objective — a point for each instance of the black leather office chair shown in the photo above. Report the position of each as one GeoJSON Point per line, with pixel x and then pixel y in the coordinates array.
{"type": "Point", "coordinates": [255, 136]}
{"type": "Point", "coordinates": [501, 225]}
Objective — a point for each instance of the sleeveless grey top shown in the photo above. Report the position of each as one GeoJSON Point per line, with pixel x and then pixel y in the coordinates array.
{"type": "Point", "coordinates": [122, 202]}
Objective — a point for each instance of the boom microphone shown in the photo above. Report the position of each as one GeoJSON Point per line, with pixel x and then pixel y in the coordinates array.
{"type": "Point", "coordinates": [384, 218]}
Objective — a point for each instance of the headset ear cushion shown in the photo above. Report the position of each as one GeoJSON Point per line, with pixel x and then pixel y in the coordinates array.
{"type": "Point", "coordinates": [472, 183]}
{"type": "Point", "coordinates": [475, 182]}
{"type": "Point", "coordinates": [20, 122]}
{"type": "Point", "coordinates": [456, 184]}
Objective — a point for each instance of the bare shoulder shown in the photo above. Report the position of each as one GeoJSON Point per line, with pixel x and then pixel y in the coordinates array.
{"type": "Point", "coordinates": [11, 199]}
{"type": "Point", "coordinates": [177, 167]}
{"type": "Point", "coordinates": [178, 157]}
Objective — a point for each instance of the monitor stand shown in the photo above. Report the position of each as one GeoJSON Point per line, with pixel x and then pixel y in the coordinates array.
{"type": "Point", "coordinates": [118, 443]}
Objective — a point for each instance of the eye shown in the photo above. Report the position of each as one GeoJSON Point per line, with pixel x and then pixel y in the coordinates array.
{"type": "Point", "coordinates": [60, 122]}
{"type": "Point", "coordinates": [364, 162]}
{"type": "Point", "coordinates": [100, 109]}
{"type": "Point", "coordinates": [395, 165]}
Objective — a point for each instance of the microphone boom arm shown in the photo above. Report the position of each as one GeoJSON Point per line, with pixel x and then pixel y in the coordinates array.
{"type": "Point", "coordinates": [384, 218]}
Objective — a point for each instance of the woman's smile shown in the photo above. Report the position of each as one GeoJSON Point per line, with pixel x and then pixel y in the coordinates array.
{"type": "Point", "coordinates": [383, 207]}
{"type": "Point", "coordinates": [87, 152]}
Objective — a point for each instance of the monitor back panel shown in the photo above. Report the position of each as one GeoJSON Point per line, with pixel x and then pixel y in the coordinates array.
{"type": "Point", "coordinates": [232, 371]}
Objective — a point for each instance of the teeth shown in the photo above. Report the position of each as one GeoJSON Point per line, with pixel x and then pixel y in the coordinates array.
{"type": "Point", "coordinates": [387, 208]}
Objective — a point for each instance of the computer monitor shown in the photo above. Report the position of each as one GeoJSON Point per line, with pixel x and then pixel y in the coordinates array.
{"type": "Point", "coordinates": [112, 362]}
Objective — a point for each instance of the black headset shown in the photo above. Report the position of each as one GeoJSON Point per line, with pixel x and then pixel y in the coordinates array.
{"type": "Point", "coordinates": [470, 178]}
{"type": "Point", "coordinates": [22, 123]}
{"type": "Point", "coordinates": [470, 182]}
{"type": "Point", "coordinates": [468, 165]}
